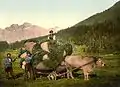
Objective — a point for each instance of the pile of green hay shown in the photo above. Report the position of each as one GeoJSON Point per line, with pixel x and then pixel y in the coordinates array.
{"type": "Point", "coordinates": [55, 55]}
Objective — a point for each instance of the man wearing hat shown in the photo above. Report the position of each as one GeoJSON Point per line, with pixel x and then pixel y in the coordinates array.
{"type": "Point", "coordinates": [22, 55]}
{"type": "Point", "coordinates": [8, 65]}
{"type": "Point", "coordinates": [48, 45]}
{"type": "Point", "coordinates": [52, 41]}
{"type": "Point", "coordinates": [51, 35]}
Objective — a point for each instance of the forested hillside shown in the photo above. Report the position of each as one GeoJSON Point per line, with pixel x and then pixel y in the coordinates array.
{"type": "Point", "coordinates": [100, 33]}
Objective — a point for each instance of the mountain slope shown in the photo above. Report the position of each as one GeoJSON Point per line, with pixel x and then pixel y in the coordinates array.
{"type": "Point", "coordinates": [100, 32]}
{"type": "Point", "coordinates": [20, 32]}
{"type": "Point", "coordinates": [109, 14]}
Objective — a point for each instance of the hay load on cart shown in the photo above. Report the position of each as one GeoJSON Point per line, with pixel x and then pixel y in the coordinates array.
{"type": "Point", "coordinates": [50, 56]}
{"type": "Point", "coordinates": [47, 54]}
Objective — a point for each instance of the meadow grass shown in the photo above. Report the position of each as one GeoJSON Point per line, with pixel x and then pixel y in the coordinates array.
{"type": "Point", "coordinates": [108, 76]}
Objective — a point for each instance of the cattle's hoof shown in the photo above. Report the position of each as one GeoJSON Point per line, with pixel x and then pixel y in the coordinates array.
{"type": "Point", "coordinates": [68, 78]}
{"type": "Point", "coordinates": [48, 78]}
{"type": "Point", "coordinates": [72, 77]}
{"type": "Point", "coordinates": [86, 79]}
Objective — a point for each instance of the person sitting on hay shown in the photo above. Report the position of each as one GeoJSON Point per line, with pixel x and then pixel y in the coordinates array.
{"type": "Point", "coordinates": [51, 35]}
{"type": "Point", "coordinates": [49, 45]}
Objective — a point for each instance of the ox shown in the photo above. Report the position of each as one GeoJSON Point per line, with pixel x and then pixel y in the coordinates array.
{"type": "Point", "coordinates": [86, 64]}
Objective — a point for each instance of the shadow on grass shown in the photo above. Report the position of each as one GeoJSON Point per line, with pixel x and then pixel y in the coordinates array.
{"type": "Point", "coordinates": [19, 75]}
{"type": "Point", "coordinates": [95, 81]}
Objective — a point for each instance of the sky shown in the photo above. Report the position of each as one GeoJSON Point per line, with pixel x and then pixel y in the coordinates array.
{"type": "Point", "coordinates": [50, 13]}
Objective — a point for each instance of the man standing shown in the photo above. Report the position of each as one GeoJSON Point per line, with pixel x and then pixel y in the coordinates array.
{"type": "Point", "coordinates": [8, 66]}
{"type": "Point", "coordinates": [29, 67]}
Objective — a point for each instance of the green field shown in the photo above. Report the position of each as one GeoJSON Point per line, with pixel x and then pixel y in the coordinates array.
{"type": "Point", "coordinates": [108, 76]}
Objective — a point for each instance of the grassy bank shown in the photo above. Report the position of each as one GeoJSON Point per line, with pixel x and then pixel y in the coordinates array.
{"type": "Point", "coordinates": [108, 76]}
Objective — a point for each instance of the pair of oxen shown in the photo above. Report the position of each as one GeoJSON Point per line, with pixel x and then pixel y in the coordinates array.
{"type": "Point", "coordinates": [68, 63]}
